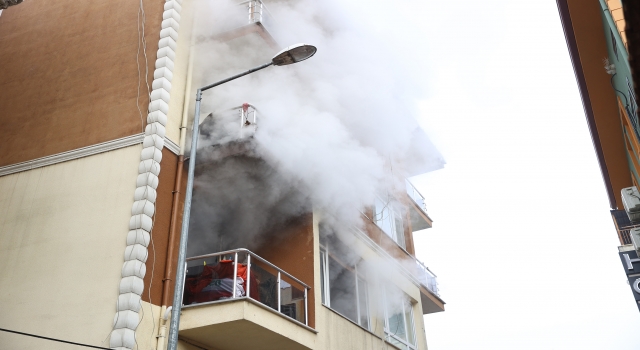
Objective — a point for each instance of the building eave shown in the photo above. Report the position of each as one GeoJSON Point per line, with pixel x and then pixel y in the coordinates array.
{"type": "Point", "coordinates": [632, 15]}
{"type": "Point", "coordinates": [565, 17]}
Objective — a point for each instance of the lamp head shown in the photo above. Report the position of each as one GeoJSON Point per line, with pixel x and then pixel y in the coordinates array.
{"type": "Point", "coordinates": [293, 54]}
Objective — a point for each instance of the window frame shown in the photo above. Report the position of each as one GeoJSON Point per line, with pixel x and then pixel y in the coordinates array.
{"type": "Point", "coordinates": [325, 283]}
{"type": "Point", "coordinates": [407, 306]}
{"type": "Point", "coordinates": [393, 214]}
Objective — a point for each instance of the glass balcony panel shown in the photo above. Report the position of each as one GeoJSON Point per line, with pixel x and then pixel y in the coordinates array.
{"type": "Point", "coordinates": [292, 300]}
{"type": "Point", "coordinates": [419, 218]}
{"type": "Point", "coordinates": [241, 274]}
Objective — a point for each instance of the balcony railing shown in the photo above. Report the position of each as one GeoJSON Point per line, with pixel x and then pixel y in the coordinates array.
{"type": "Point", "coordinates": [427, 278]}
{"type": "Point", "coordinates": [259, 14]}
{"type": "Point", "coordinates": [417, 197]}
{"type": "Point", "coordinates": [623, 226]}
{"type": "Point", "coordinates": [241, 274]}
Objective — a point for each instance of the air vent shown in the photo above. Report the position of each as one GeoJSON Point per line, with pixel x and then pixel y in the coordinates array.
{"type": "Point", "coordinates": [631, 202]}
{"type": "Point", "coordinates": [635, 239]}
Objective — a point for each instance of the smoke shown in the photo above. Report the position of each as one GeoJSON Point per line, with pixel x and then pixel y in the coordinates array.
{"type": "Point", "coordinates": [333, 131]}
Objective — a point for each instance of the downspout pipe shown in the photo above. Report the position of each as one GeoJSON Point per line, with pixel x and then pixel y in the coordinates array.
{"type": "Point", "coordinates": [168, 270]}
{"type": "Point", "coordinates": [182, 252]}
{"type": "Point", "coordinates": [168, 267]}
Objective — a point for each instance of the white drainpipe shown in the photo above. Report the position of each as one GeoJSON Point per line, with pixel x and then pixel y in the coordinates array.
{"type": "Point", "coordinates": [127, 316]}
{"type": "Point", "coordinates": [162, 332]}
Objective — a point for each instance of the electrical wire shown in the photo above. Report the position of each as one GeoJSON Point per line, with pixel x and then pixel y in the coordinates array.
{"type": "Point", "coordinates": [153, 268]}
{"type": "Point", "coordinates": [632, 116]}
{"type": "Point", "coordinates": [142, 42]}
{"type": "Point", "coordinates": [54, 339]}
{"type": "Point", "coordinates": [626, 101]}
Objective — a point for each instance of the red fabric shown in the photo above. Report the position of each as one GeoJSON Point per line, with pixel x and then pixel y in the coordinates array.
{"type": "Point", "coordinates": [193, 289]}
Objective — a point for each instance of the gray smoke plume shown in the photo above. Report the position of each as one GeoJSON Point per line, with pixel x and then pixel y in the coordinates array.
{"type": "Point", "coordinates": [333, 131]}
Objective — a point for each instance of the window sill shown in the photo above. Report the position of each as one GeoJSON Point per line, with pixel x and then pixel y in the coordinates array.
{"type": "Point", "coordinates": [350, 320]}
{"type": "Point", "coordinates": [391, 239]}
{"type": "Point", "coordinates": [395, 347]}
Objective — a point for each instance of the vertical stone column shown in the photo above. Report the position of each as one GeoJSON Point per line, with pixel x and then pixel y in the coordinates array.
{"type": "Point", "coordinates": [131, 287]}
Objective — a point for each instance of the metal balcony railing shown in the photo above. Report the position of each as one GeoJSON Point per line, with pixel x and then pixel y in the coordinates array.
{"type": "Point", "coordinates": [417, 197]}
{"type": "Point", "coordinates": [427, 278]}
{"type": "Point", "coordinates": [625, 236]}
{"type": "Point", "coordinates": [623, 226]}
{"type": "Point", "coordinates": [259, 14]}
{"type": "Point", "coordinates": [241, 274]}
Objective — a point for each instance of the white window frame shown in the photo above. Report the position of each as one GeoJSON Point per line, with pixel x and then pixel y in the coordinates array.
{"type": "Point", "coordinates": [391, 213]}
{"type": "Point", "coordinates": [326, 290]}
{"type": "Point", "coordinates": [407, 306]}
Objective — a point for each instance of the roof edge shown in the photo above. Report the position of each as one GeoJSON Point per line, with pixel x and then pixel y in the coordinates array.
{"type": "Point", "coordinates": [567, 27]}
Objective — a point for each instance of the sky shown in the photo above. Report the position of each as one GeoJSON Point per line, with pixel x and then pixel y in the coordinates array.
{"type": "Point", "coordinates": [522, 242]}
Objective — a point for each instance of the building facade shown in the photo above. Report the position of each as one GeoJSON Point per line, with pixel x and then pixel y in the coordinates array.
{"type": "Point", "coordinates": [96, 109]}
{"type": "Point", "coordinates": [596, 34]}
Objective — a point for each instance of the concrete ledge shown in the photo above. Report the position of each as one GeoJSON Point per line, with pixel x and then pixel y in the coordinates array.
{"type": "Point", "coordinates": [244, 324]}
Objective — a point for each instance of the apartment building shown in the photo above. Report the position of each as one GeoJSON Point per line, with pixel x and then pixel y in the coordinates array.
{"type": "Point", "coordinates": [97, 105]}
{"type": "Point", "coordinates": [597, 37]}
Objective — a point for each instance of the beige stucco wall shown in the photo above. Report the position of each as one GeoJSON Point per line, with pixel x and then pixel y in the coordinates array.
{"type": "Point", "coordinates": [149, 325]}
{"type": "Point", "coordinates": [62, 236]}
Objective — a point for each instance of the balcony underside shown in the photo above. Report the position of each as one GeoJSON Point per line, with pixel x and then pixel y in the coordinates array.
{"type": "Point", "coordinates": [243, 324]}
{"type": "Point", "coordinates": [257, 28]}
{"type": "Point", "coordinates": [430, 302]}
{"type": "Point", "coordinates": [419, 219]}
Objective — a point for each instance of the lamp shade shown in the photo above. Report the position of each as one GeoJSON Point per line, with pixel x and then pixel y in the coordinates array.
{"type": "Point", "coordinates": [293, 54]}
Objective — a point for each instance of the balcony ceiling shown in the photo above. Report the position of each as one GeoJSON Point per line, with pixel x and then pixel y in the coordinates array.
{"type": "Point", "coordinates": [419, 219]}
{"type": "Point", "coordinates": [242, 324]}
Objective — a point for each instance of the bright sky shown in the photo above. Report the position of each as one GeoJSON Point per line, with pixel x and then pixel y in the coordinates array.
{"type": "Point", "coordinates": [523, 243]}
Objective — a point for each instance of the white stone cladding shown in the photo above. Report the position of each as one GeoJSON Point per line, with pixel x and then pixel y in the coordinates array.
{"type": "Point", "coordinates": [127, 318]}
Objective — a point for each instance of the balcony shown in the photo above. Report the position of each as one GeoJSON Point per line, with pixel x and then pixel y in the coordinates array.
{"type": "Point", "coordinates": [427, 278]}
{"type": "Point", "coordinates": [623, 226]}
{"type": "Point", "coordinates": [238, 300]}
{"type": "Point", "coordinates": [420, 220]}
{"type": "Point", "coordinates": [250, 17]}
{"type": "Point", "coordinates": [429, 293]}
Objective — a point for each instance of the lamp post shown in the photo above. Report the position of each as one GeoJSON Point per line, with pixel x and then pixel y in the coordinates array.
{"type": "Point", "coordinates": [292, 54]}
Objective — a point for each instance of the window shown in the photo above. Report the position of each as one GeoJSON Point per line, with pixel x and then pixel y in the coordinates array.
{"type": "Point", "coordinates": [344, 289]}
{"type": "Point", "coordinates": [399, 328]}
{"type": "Point", "coordinates": [614, 43]}
{"type": "Point", "coordinates": [633, 107]}
{"type": "Point", "coordinates": [389, 218]}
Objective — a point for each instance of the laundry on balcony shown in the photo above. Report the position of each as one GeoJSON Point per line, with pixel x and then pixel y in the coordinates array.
{"type": "Point", "coordinates": [217, 283]}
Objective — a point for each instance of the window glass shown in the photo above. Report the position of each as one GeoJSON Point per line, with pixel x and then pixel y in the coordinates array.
{"type": "Point", "coordinates": [396, 325]}
{"type": "Point", "coordinates": [399, 325]}
{"type": "Point", "coordinates": [343, 289]}
{"type": "Point", "coordinates": [389, 218]}
{"type": "Point", "coordinates": [363, 303]}
{"type": "Point", "coordinates": [384, 217]}
{"type": "Point", "coordinates": [399, 228]}
{"type": "Point", "coordinates": [323, 261]}
{"type": "Point", "coordinates": [408, 315]}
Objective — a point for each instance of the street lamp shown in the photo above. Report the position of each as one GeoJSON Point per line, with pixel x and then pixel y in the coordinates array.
{"type": "Point", "coordinates": [292, 54]}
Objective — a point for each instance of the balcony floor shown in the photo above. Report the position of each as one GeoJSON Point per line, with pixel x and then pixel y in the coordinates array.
{"type": "Point", "coordinates": [430, 302]}
{"type": "Point", "coordinates": [243, 324]}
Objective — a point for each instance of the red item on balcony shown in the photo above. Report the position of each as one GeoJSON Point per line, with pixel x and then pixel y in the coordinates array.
{"type": "Point", "coordinates": [216, 282]}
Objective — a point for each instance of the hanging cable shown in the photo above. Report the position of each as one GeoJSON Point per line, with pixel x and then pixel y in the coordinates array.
{"type": "Point", "coordinates": [142, 42]}
{"type": "Point", "coordinates": [54, 339]}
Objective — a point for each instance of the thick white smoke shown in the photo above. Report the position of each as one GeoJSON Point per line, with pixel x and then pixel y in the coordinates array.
{"type": "Point", "coordinates": [339, 126]}
{"type": "Point", "coordinates": [333, 131]}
